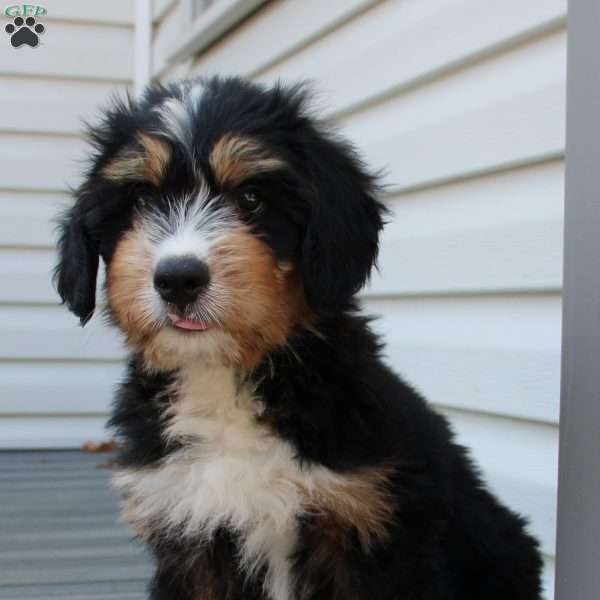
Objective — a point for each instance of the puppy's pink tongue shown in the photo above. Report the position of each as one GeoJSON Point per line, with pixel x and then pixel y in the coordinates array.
{"type": "Point", "coordinates": [188, 323]}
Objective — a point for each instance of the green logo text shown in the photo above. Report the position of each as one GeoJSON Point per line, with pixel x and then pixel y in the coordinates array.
{"type": "Point", "coordinates": [24, 10]}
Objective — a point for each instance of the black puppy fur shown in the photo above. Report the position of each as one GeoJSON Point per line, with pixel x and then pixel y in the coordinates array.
{"type": "Point", "coordinates": [326, 391]}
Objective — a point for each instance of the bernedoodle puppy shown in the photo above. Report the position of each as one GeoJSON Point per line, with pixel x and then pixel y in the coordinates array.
{"type": "Point", "coordinates": [266, 451]}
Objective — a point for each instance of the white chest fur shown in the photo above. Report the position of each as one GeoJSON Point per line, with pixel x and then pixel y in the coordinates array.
{"type": "Point", "coordinates": [232, 472]}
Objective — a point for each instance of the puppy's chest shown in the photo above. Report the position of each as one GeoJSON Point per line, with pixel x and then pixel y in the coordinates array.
{"type": "Point", "coordinates": [230, 472]}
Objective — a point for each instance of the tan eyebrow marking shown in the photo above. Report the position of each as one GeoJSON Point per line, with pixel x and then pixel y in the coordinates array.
{"type": "Point", "coordinates": [148, 162]}
{"type": "Point", "coordinates": [235, 158]}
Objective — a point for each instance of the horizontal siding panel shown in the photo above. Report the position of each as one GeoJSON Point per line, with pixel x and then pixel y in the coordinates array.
{"type": "Point", "coordinates": [501, 232]}
{"type": "Point", "coordinates": [505, 257]}
{"type": "Point", "coordinates": [52, 333]}
{"type": "Point", "coordinates": [29, 273]}
{"type": "Point", "coordinates": [71, 50]}
{"type": "Point", "coordinates": [113, 12]}
{"type": "Point", "coordinates": [57, 387]}
{"type": "Point", "coordinates": [36, 162]}
{"type": "Point", "coordinates": [46, 432]}
{"type": "Point", "coordinates": [494, 355]}
{"type": "Point", "coordinates": [502, 77]}
{"type": "Point", "coordinates": [175, 72]}
{"type": "Point", "coordinates": [398, 44]}
{"type": "Point", "coordinates": [512, 132]}
{"type": "Point", "coordinates": [66, 103]}
{"type": "Point", "coordinates": [276, 30]}
{"type": "Point", "coordinates": [520, 462]}
{"type": "Point", "coordinates": [27, 218]}
{"type": "Point", "coordinates": [511, 117]}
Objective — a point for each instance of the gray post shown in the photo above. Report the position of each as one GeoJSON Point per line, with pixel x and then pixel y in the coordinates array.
{"type": "Point", "coordinates": [578, 552]}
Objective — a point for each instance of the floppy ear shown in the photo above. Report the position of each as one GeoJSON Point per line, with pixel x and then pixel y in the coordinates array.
{"type": "Point", "coordinates": [123, 156]}
{"type": "Point", "coordinates": [76, 272]}
{"type": "Point", "coordinates": [342, 238]}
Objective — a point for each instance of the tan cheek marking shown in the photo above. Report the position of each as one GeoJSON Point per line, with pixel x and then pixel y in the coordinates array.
{"type": "Point", "coordinates": [235, 158]}
{"type": "Point", "coordinates": [148, 163]}
{"type": "Point", "coordinates": [129, 272]}
{"type": "Point", "coordinates": [265, 303]}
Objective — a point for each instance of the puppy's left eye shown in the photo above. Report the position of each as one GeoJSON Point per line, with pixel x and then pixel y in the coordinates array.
{"type": "Point", "coordinates": [249, 202]}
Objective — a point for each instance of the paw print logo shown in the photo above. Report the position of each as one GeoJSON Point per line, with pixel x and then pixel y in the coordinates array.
{"type": "Point", "coordinates": [24, 32]}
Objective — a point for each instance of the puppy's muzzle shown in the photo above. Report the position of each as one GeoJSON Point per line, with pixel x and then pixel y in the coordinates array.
{"type": "Point", "coordinates": [180, 280]}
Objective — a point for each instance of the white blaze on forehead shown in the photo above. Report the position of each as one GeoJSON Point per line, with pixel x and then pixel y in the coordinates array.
{"type": "Point", "coordinates": [192, 91]}
{"type": "Point", "coordinates": [177, 121]}
{"type": "Point", "coordinates": [190, 227]}
{"type": "Point", "coordinates": [178, 114]}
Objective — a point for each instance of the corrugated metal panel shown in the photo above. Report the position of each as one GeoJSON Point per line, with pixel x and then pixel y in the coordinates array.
{"type": "Point", "coordinates": [463, 103]}
{"type": "Point", "coordinates": [59, 531]}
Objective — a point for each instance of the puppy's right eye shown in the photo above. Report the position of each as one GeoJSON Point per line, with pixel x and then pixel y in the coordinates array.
{"type": "Point", "coordinates": [250, 202]}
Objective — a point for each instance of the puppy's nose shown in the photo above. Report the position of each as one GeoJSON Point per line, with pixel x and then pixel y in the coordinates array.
{"type": "Point", "coordinates": [179, 280]}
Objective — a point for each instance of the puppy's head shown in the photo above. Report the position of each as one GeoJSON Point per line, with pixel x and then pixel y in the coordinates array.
{"type": "Point", "coordinates": [226, 218]}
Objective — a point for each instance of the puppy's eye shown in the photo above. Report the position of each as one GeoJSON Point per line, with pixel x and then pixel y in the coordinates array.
{"type": "Point", "coordinates": [250, 202]}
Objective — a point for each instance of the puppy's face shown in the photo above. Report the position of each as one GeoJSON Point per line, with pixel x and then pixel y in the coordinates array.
{"type": "Point", "coordinates": [226, 220]}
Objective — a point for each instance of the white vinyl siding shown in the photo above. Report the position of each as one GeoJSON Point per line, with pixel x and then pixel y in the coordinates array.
{"type": "Point", "coordinates": [462, 102]}
{"type": "Point", "coordinates": [56, 379]}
